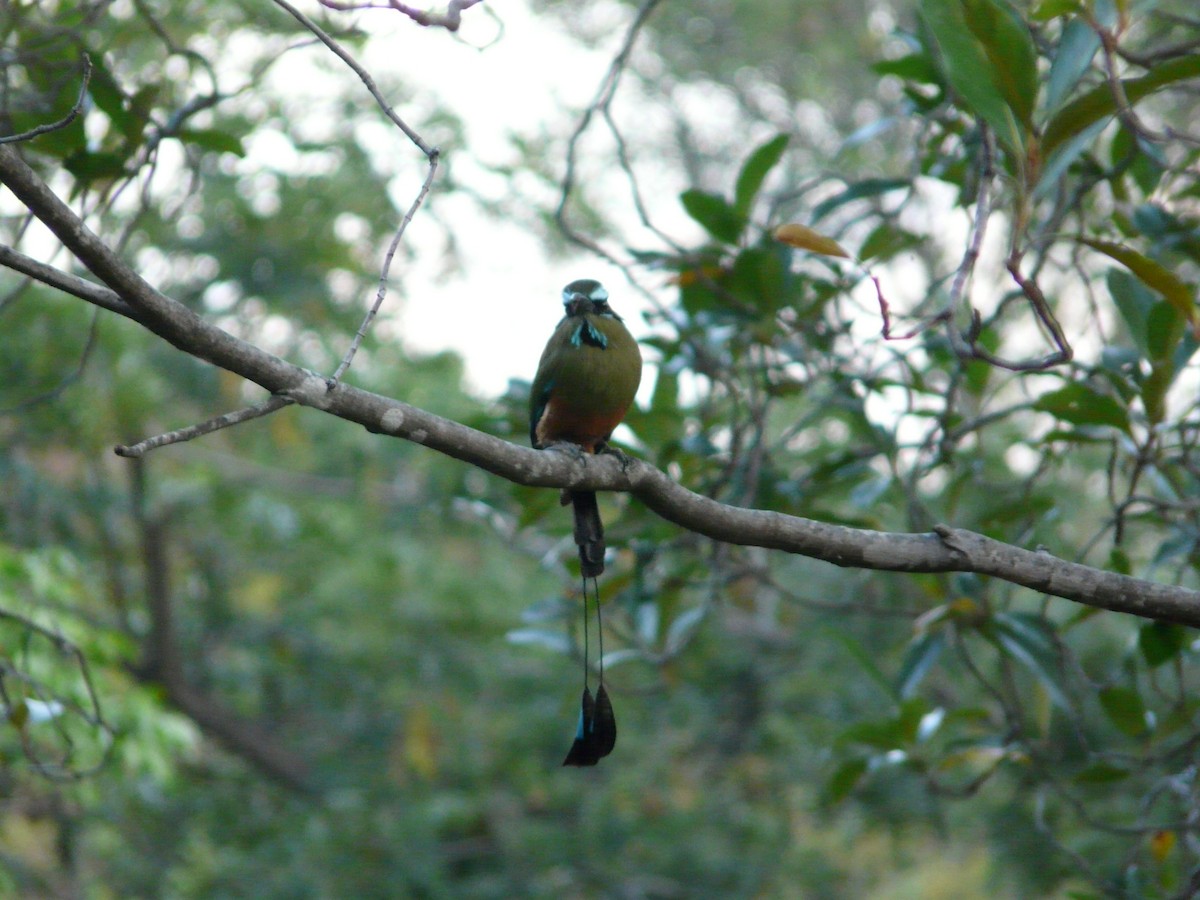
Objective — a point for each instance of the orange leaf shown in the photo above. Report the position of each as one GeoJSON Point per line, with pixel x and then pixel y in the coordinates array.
{"type": "Point", "coordinates": [804, 238]}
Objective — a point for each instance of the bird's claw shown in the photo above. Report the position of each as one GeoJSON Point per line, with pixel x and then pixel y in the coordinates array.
{"type": "Point", "coordinates": [622, 457]}
{"type": "Point", "coordinates": [574, 451]}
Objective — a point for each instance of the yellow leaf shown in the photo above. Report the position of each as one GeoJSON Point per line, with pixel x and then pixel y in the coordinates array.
{"type": "Point", "coordinates": [260, 593]}
{"type": "Point", "coordinates": [1161, 843]}
{"type": "Point", "coordinates": [420, 743]}
{"type": "Point", "coordinates": [804, 238]}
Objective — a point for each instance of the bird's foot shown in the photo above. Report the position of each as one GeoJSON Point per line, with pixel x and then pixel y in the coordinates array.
{"type": "Point", "coordinates": [622, 457]}
{"type": "Point", "coordinates": [574, 451]}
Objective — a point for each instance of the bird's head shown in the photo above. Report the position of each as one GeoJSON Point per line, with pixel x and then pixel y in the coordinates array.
{"type": "Point", "coordinates": [586, 295]}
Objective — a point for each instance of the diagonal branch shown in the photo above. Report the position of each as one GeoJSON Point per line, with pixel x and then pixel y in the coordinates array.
{"type": "Point", "coordinates": [946, 550]}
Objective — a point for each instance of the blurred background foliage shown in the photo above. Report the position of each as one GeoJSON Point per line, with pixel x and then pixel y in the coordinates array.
{"type": "Point", "coordinates": [294, 659]}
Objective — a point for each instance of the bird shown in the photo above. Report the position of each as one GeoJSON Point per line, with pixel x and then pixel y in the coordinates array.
{"type": "Point", "coordinates": [586, 381]}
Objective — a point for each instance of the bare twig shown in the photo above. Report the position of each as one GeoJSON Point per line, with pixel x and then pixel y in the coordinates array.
{"type": "Point", "coordinates": [600, 104]}
{"type": "Point", "coordinates": [381, 292]}
{"type": "Point", "coordinates": [141, 448]}
{"type": "Point", "coordinates": [451, 19]}
{"type": "Point", "coordinates": [63, 768]}
{"type": "Point", "coordinates": [66, 120]}
{"type": "Point", "coordinates": [344, 55]}
{"type": "Point", "coordinates": [431, 154]}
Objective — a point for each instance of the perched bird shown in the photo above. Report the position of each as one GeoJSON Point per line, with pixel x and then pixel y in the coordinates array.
{"type": "Point", "coordinates": [585, 383]}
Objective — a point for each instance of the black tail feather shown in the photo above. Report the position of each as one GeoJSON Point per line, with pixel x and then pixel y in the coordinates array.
{"type": "Point", "coordinates": [589, 533]}
{"type": "Point", "coordinates": [596, 733]}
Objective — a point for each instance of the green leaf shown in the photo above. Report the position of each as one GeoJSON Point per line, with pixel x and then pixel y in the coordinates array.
{"type": "Point", "coordinates": [758, 277]}
{"type": "Point", "coordinates": [976, 70]}
{"type": "Point", "coordinates": [916, 67]}
{"type": "Point", "coordinates": [860, 190]}
{"type": "Point", "coordinates": [213, 139]}
{"type": "Point", "coordinates": [1101, 773]}
{"type": "Point", "coordinates": [1076, 49]}
{"type": "Point", "coordinates": [1134, 302]}
{"type": "Point", "coordinates": [1078, 404]}
{"type": "Point", "coordinates": [551, 640]}
{"type": "Point", "coordinates": [87, 166]}
{"type": "Point", "coordinates": [890, 733]}
{"type": "Point", "coordinates": [754, 173]}
{"type": "Point", "coordinates": [886, 241]}
{"type": "Point", "coordinates": [844, 780]}
{"type": "Point", "coordinates": [1174, 290]}
{"type": "Point", "coordinates": [1029, 640]}
{"type": "Point", "coordinates": [1053, 9]}
{"type": "Point", "coordinates": [683, 627]}
{"type": "Point", "coordinates": [1099, 103]}
{"type": "Point", "coordinates": [716, 216]}
{"type": "Point", "coordinates": [1161, 642]}
{"type": "Point", "coordinates": [1125, 709]}
{"type": "Point", "coordinates": [922, 653]}
{"type": "Point", "coordinates": [1010, 50]}
{"type": "Point", "coordinates": [865, 660]}
{"type": "Point", "coordinates": [1165, 328]}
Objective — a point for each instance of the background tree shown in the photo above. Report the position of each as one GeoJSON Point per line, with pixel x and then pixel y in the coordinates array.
{"type": "Point", "coordinates": [268, 662]}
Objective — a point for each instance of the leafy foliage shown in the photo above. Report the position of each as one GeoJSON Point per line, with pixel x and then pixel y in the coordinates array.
{"type": "Point", "coordinates": [785, 726]}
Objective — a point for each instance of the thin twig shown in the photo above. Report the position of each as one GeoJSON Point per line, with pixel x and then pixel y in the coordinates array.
{"type": "Point", "coordinates": [93, 715]}
{"type": "Point", "coordinates": [381, 293]}
{"type": "Point", "coordinates": [66, 120]}
{"type": "Point", "coordinates": [432, 154]}
{"type": "Point", "coordinates": [270, 405]}
{"type": "Point", "coordinates": [604, 97]}
{"type": "Point", "coordinates": [367, 80]}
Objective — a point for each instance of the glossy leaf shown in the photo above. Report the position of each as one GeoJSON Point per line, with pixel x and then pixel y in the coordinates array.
{"type": "Point", "coordinates": [923, 653]}
{"type": "Point", "coordinates": [1074, 55]}
{"type": "Point", "coordinates": [551, 640]}
{"type": "Point", "coordinates": [977, 71]}
{"type": "Point", "coordinates": [1125, 709]}
{"type": "Point", "coordinates": [1161, 642]}
{"type": "Point", "coordinates": [844, 779]}
{"type": "Point", "coordinates": [1079, 404]}
{"type": "Point", "coordinates": [213, 139]}
{"type": "Point", "coordinates": [1010, 50]}
{"type": "Point", "coordinates": [865, 661]}
{"type": "Point", "coordinates": [1101, 773]}
{"type": "Point", "coordinates": [1053, 9]}
{"type": "Point", "coordinates": [916, 67]}
{"type": "Point", "coordinates": [755, 171]}
{"type": "Point", "coordinates": [1029, 640]}
{"type": "Point", "coordinates": [859, 190]}
{"type": "Point", "coordinates": [1134, 302]}
{"type": "Point", "coordinates": [715, 215]}
{"type": "Point", "coordinates": [1154, 275]}
{"type": "Point", "coordinates": [681, 629]}
{"type": "Point", "coordinates": [1099, 103]}
{"type": "Point", "coordinates": [886, 241]}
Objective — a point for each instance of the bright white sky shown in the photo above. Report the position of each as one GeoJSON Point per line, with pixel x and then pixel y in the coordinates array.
{"type": "Point", "coordinates": [533, 80]}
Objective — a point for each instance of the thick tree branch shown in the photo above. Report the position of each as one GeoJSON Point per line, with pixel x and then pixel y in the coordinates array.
{"type": "Point", "coordinates": [947, 550]}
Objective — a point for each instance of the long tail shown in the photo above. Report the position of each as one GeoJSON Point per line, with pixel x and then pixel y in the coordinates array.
{"type": "Point", "coordinates": [589, 533]}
